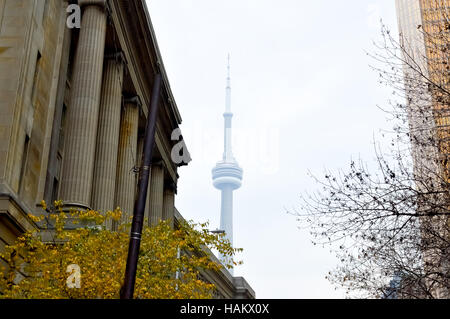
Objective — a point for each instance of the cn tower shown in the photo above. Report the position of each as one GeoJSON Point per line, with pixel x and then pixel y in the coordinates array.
{"type": "Point", "coordinates": [227, 175]}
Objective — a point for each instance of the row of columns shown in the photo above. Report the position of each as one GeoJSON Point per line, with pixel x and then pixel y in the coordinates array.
{"type": "Point", "coordinates": [103, 149]}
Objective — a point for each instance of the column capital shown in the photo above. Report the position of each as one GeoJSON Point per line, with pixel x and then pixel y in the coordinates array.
{"type": "Point", "coordinates": [136, 100]}
{"type": "Point", "coordinates": [171, 187]}
{"type": "Point", "coordinates": [83, 3]}
{"type": "Point", "coordinates": [159, 163]}
{"type": "Point", "coordinates": [118, 56]}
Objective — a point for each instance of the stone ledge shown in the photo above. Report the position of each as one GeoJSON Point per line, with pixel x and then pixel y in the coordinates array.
{"type": "Point", "coordinates": [83, 3]}
{"type": "Point", "coordinates": [242, 289]}
{"type": "Point", "coordinates": [16, 213]}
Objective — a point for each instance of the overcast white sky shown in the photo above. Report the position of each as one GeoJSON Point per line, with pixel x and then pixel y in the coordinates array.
{"type": "Point", "coordinates": [303, 98]}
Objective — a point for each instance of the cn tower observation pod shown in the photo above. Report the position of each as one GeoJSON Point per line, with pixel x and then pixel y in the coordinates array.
{"type": "Point", "coordinates": [227, 175]}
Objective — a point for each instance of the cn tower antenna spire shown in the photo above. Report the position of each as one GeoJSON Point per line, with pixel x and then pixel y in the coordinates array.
{"type": "Point", "coordinates": [227, 152]}
{"type": "Point", "coordinates": [228, 89]}
{"type": "Point", "coordinates": [228, 68]}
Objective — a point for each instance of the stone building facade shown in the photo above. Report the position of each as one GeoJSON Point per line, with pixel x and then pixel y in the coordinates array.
{"type": "Point", "coordinates": [73, 108]}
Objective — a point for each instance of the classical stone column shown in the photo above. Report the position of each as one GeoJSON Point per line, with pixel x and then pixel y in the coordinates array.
{"type": "Point", "coordinates": [126, 161]}
{"type": "Point", "coordinates": [169, 203]}
{"type": "Point", "coordinates": [81, 134]}
{"type": "Point", "coordinates": [139, 164]}
{"type": "Point", "coordinates": [156, 193]}
{"type": "Point", "coordinates": [105, 166]}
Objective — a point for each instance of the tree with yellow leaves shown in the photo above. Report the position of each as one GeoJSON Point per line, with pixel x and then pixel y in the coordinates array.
{"type": "Point", "coordinates": [74, 256]}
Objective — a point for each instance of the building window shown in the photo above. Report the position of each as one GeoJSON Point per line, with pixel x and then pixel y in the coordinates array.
{"type": "Point", "coordinates": [23, 165]}
{"type": "Point", "coordinates": [55, 190]}
{"type": "Point", "coordinates": [61, 130]}
{"type": "Point", "coordinates": [37, 71]}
